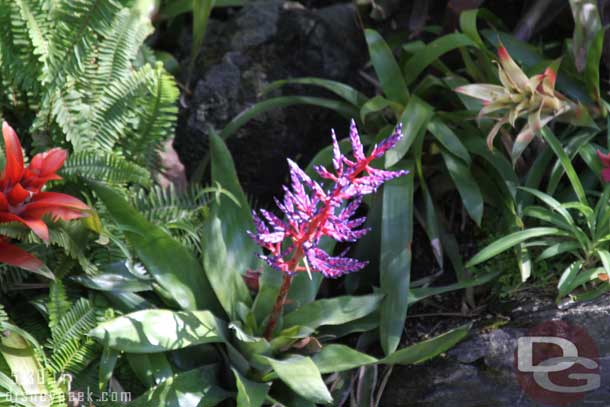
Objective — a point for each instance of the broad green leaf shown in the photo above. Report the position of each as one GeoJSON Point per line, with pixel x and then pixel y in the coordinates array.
{"type": "Point", "coordinates": [395, 264]}
{"type": "Point", "coordinates": [115, 277]}
{"type": "Point", "coordinates": [466, 185]}
{"type": "Point", "coordinates": [151, 369]}
{"type": "Point", "coordinates": [250, 393]}
{"type": "Point", "coordinates": [338, 358]}
{"type": "Point", "coordinates": [448, 139]}
{"type": "Point", "coordinates": [158, 330]}
{"type": "Point", "coordinates": [414, 120]}
{"type": "Point", "coordinates": [587, 24]}
{"type": "Point", "coordinates": [195, 388]}
{"type": "Point", "coordinates": [387, 69]}
{"type": "Point", "coordinates": [425, 350]}
{"type": "Point", "coordinates": [591, 74]}
{"type": "Point", "coordinates": [333, 311]}
{"type": "Point", "coordinates": [558, 249]}
{"type": "Point", "coordinates": [18, 350]}
{"type": "Point", "coordinates": [468, 25]}
{"type": "Point", "coordinates": [431, 53]}
{"type": "Point", "coordinates": [228, 284]}
{"type": "Point", "coordinates": [551, 203]}
{"type": "Point", "coordinates": [567, 277]}
{"type": "Point", "coordinates": [378, 104]}
{"type": "Point", "coordinates": [511, 240]}
{"type": "Point", "coordinates": [302, 375]}
{"type": "Point", "coordinates": [185, 281]}
{"type": "Point", "coordinates": [235, 220]}
{"type": "Point", "coordinates": [346, 92]}
{"type": "Point", "coordinates": [108, 362]}
{"type": "Point", "coordinates": [604, 256]}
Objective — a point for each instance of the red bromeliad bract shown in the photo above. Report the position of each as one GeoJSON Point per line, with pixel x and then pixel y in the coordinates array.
{"type": "Point", "coordinates": [22, 199]}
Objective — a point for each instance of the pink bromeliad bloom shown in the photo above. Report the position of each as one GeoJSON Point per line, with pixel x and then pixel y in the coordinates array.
{"type": "Point", "coordinates": [605, 159]}
{"type": "Point", "coordinates": [312, 212]}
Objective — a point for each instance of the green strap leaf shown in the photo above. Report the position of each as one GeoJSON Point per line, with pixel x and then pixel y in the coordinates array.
{"type": "Point", "coordinates": [195, 388]}
{"type": "Point", "coordinates": [431, 53]}
{"type": "Point", "coordinates": [158, 330]}
{"type": "Point", "coordinates": [425, 350]}
{"type": "Point", "coordinates": [301, 374]}
{"type": "Point", "coordinates": [249, 393]}
{"type": "Point", "coordinates": [466, 185]}
{"type": "Point", "coordinates": [395, 263]}
{"type": "Point", "coordinates": [334, 311]}
{"type": "Point", "coordinates": [506, 242]}
{"type": "Point", "coordinates": [184, 281]}
{"type": "Point", "coordinates": [386, 67]}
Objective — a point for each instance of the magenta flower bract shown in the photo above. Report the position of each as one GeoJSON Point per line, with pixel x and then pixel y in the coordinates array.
{"type": "Point", "coordinates": [312, 212]}
{"type": "Point", "coordinates": [605, 160]}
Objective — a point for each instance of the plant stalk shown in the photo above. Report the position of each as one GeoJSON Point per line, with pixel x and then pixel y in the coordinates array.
{"type": "Point", "coordinates": [278, 306]}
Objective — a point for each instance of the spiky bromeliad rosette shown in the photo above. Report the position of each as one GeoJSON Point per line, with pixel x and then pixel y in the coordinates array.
{"type": "Point", "coordinates": [517, 97]}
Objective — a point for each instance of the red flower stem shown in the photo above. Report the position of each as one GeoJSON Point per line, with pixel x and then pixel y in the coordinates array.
{"type": "Point", "coordinates": [278, 306]}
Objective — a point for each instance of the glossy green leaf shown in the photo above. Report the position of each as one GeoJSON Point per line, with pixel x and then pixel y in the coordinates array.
{"type": "Point", "coordinates": [151, 369]}
{"type": "Point", "coordinates": [511, 240]}
{"type": "Point", "coordinates": [378, 104]}
{"type": "Point", "coordinates": [195, 388]}
{"type": "Point", "coordinates": [108, 362]}
{"type": "Point", "coordinates": [591, 73]}
{"type": "Point", "coordinates": [346, 92]}
{"type": "Point", "coordinates": [302, 375]}
{"type": "Point", "coordinates": [222, 272]}
{"type": "Point", "coordinates": [444, 135]}
{"type": "Point", "coordinates": [425, 350]}
{"type": "Point", "coordinates": [395, 264]}
{"type": "Point", "coordinates": [116, 277]}
{"type": "Point", "coordinates": [431, 53]}
{"type": "Point", "coordinates": [250, 393]}
{"type": "Point", "coordinates": [140, 332]}
{"type": "Point", "coordinates": [414, 120]}
{"type": "Point", "coordinates": [338, 358]}
{"type": "Point", "coordinates": [466, 185]}
{"type": "Point", "coordinates": [559, 151]}
{"type": "Point", "coordinates": [564, 286]}
{"type": "Point", "coordinates": [386, 67]}
{"type": "Point", "coordinates": [185, 281]}
{"type": "Point", "coordinates": [20, 356]}
{"type": "Point", "coordinates": [333, 311]}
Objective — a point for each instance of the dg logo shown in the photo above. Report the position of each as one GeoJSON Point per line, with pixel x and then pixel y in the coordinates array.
{"type": "Point", "coordinates": [557, 363]}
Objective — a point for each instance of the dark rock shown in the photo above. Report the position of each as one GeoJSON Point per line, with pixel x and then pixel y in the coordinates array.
{"type": "Point", "coordinates": [479, 372]}
{"type": "Point", "coordinates": [263, 42]}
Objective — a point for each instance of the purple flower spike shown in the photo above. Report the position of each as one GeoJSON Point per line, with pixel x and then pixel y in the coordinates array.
{"type": "Point", "coordinates": [312, 213]}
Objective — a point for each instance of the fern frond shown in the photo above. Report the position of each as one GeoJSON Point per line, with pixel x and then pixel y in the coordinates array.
{"type": "Point", "coordinates": [58, 303]}
{"type": "Point", "coordinates": [157, 121]}
{"type": "Point", "coordinates": [105, 167]}
{"type": "Point", "coordinates": [79, 320]}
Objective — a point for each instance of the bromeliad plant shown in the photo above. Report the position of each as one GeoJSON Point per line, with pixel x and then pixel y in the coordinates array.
{"type": "Point", "coordinates": [209, 309]}
{"type": "Point", "coordinates": [534, 98]}
{"type": "Point", "coordinates": [319, 213]}
{"type": "Point", "coordinates": [23, 200]}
